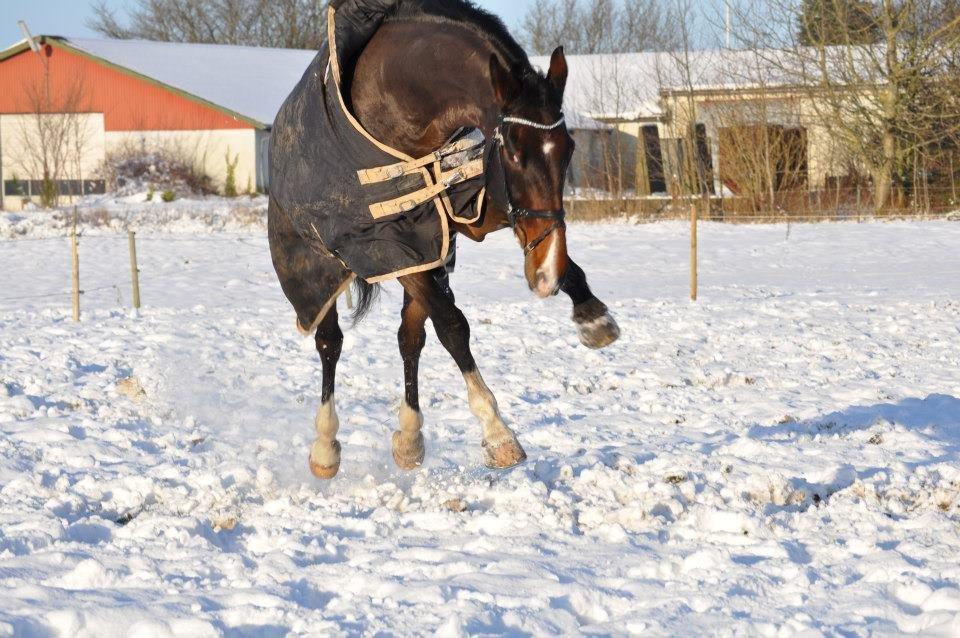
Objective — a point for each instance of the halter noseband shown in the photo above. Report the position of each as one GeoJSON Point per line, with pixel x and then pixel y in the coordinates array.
{"type": "Point", "coordinates": [514, 213]}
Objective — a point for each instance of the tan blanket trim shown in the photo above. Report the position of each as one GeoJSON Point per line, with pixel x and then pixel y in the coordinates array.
{"type": "Point", "coordinates": [478, 208]}
{"type": "Point", "coordinates": [444, 220]}
{"type": "Point", "coordinates": [406, 203]}
{"type": "Point", "coordinates": [326, 252]}
{"type": "Point", "coordinates": [444, 248]}
{"type": "Point", "coordinates": [306, 332]}
{"type": "Point", "coordinates": [415, 269]}
{"type": "Point", "coordinates": [335, 64]}
{"type": "Point", "coordinates": [393, 171]}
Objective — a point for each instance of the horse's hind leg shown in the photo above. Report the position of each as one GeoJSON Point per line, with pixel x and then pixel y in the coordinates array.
{"type": "Point", "coordinates": [595, 325]}
{"type": "Point", "coordinates": [325, 452]}
{"type": "Point", "coordinates": [408, 449]}
{"type": "Point", "coordinates": [312, 281]}
{"type": "Point", "coordinates": [432, 292]}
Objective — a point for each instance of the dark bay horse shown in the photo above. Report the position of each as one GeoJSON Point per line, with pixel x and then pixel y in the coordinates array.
{"type": "Point", "coordinates": [432, 68]}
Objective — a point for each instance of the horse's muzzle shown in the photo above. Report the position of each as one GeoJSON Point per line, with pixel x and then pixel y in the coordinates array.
{"type": "Point", "coordinates": [546, 268]}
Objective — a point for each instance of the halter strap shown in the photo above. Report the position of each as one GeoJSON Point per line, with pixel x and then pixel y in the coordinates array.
{"type": "Point", "coordinates": [509, 119]}
{"type": "Point", "coordinates": [514, 213]}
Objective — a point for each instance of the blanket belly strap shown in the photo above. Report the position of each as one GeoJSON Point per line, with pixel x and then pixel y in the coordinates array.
{"type": "Point", "coordinates": [410, 201]}
{"type": "Point", "coordinates": [393, 171]}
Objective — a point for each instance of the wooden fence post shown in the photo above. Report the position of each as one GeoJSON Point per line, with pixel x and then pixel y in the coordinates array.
{"type": "Point", "coordinates": [75, 270]}
{"type": "Point", "coordinates": [134, 269]}
{"type": "Point", "coordinates": [693, 252]}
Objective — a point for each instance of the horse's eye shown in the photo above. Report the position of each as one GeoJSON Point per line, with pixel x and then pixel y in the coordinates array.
{"type": "Point", "coordinates": [515, 153]}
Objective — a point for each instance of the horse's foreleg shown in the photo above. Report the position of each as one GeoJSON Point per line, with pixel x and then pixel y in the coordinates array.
{"type": "Point", "coordinates": [432, 291]}
{"type": "Point", "coordinates": [595, 325]}
{"type": "Point", "coordinates": [325, 453]}
{"type": "Point", "coordinates": [408, 450]}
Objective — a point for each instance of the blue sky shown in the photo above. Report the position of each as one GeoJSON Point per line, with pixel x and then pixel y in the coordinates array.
{"type": "Point", "coordinates": [68, 17]}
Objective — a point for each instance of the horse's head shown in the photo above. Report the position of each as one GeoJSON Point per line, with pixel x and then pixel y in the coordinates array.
{"type": "Point", "coordinates": [534, 149]}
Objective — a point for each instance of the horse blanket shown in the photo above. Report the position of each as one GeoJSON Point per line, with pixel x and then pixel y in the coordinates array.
{"type": "Point", "coordinates": [381, 212]}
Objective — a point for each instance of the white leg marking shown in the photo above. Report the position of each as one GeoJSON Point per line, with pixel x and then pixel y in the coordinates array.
{"type": "Point", "coordinates": [484, 406]}
{"type": "Point", "coordinates": [408, 448]}
{"type": "Point", "coordinates": [411, 421]}
{"type": "Point", "coordinates": [499, 442]}
{"type": "Point", "coordinates": [325, 452]}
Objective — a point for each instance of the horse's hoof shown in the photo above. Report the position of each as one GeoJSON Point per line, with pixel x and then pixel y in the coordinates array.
{"type": "Point", "coordinates": [595, 325]}
{"type": "Point", "coordinates": [325, 459]}
{"type": "Point", "coordinates": [408, 451]}
{"type": "Point", "coordinates": [503, 455]}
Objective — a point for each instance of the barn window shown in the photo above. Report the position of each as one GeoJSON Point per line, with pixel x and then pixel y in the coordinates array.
{"type": "Point", "coordinates": [29, 188]}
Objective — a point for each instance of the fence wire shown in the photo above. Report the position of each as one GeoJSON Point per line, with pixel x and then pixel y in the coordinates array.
{"type": "Point", "coordinates": [154, 275]}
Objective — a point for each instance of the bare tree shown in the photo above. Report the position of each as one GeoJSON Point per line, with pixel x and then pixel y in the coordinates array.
{"type": "Point", "coordinates": [53, 136]}
{"type": "Point", "coordinates": [595, 26]}
{"type": "Point", "coordinates": [678, 71]}
{"type": "Point", "coordinates": [894, 104]}
{"type": "Point", "coordinates": [294, 24]}
{"type": "Point", "coordinates": [762, 145]}
{"type": "Point", "coordinates": [833, 22]}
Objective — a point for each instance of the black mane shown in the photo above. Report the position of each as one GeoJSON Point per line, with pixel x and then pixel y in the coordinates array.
{"type": "Point", "coordinates": [466, 14]}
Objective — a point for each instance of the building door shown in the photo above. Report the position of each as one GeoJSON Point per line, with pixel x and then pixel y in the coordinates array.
{"type": "Point", "coordinates": [653, 156]}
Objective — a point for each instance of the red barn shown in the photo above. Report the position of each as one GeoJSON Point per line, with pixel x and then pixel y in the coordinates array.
{"type": "Point", "coordinates": [66, 104]}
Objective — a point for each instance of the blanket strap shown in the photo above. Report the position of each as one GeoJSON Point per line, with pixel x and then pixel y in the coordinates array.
{"type": "Point", "coordinates": [408, 202]}
{"type": "Point", "coordinates": [393, 171]}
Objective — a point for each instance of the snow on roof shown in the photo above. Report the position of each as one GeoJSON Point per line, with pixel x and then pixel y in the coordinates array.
{"type": "Point", "coordinates": [628, 85]}
{"type": "Point", "coordinates": [251, 81]}
{"type": "Point", "coordinates": [579, 121]}
{"type": "Point", "coordinates": [254, 81]}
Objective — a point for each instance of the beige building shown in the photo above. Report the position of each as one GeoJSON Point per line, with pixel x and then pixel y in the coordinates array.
{"type": "Point", "coordinates": [66, 105]}
{"type": "Point", "coordinates": [631, 115]}
{"type": "Point", "coordinates": [737, 113]}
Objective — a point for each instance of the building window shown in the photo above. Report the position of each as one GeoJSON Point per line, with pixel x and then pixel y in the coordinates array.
{"type": "Point", "coordinates": [65, 187]}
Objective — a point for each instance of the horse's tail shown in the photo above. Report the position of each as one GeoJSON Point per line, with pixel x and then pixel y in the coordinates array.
{"type": "Point", "coordinates": [367, 293]}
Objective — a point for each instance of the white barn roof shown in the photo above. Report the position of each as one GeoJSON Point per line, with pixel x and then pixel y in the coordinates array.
{"type": "Point", "coordinates": [251, 81]}
{"type": "Point", "coordinates": [627, 86]}
{"type": "Point", "coordinates": [254, 81]}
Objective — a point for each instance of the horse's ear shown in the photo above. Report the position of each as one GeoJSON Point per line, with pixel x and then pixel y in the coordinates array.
{"type": "Point", "coordinates": [505, 85]}
{"type": "Point", "coordinates": [558, 70]}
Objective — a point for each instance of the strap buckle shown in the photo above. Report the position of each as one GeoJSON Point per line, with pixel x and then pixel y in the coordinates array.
{"type": "Point", "coordinates": [456, 178]}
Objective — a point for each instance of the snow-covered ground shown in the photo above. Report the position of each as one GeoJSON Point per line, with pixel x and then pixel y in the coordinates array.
{"type": "Point", "coordinates": [106, 214]}
{"type": "Point", "coordinates": [781, 458]}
